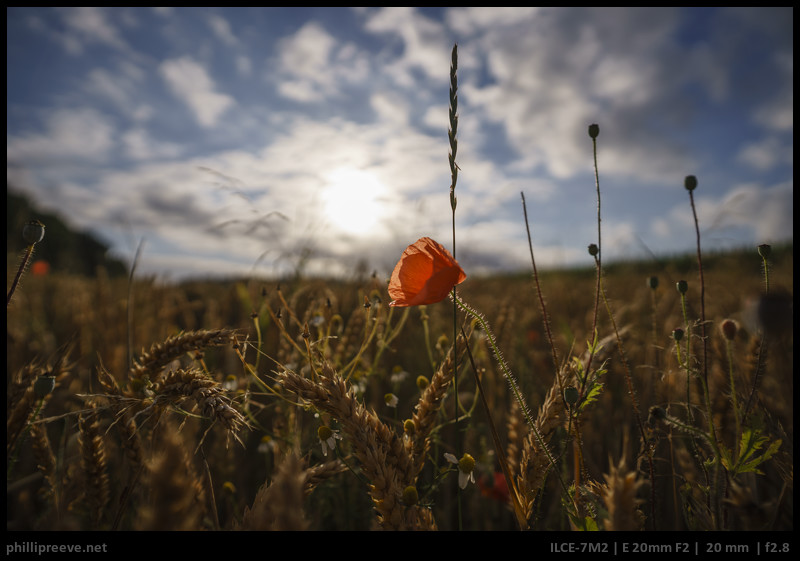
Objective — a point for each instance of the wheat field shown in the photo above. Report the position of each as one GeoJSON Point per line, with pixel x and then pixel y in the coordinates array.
{"type": "Point", "coordinates": [215, 422]}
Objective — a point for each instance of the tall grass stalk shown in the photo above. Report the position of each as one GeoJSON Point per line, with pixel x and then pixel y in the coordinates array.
{"type": "Point", "coordinates": [452, 135]}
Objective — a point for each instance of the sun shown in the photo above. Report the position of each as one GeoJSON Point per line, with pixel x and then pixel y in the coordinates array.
{"type": "Point", "coordinates": [353, 200]}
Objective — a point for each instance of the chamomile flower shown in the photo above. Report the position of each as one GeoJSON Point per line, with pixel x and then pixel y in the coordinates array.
{"type": "Point", "coordinates": [390, 399]}
{"type": "Point", "coordinates": [466, 465]}
{"type": "Point", "coordinates": [327, 438]}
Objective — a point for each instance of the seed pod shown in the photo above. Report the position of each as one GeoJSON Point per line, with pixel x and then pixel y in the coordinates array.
{"type": "Point", "coordinates": [729, 328]}
{"type": "Point", "coordinates": [33, 232]}
{"type": "Point", "coordinates": [571, 395]}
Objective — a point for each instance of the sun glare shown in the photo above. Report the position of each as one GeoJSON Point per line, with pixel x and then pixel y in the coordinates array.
{"type": "Point", "coordinates": [353, 200]}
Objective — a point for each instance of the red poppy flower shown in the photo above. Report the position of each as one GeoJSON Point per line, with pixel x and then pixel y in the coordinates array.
{"type": "Point", "coordinates": [425, 274]}
{"type": "Point", "coordinates": [40, 268]}
{"type": "Point", "coordinates": [497, 489]}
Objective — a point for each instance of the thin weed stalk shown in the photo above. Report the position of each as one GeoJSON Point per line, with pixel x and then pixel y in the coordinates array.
{"type": "Point", "coordinates": [33, 233]}
{"type": "Point", "coordinates": [764, 250]}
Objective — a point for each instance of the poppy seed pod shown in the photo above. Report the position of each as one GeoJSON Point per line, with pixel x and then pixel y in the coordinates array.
{"type": "Point", "coordinates": [690, 183]}
{"type": "Point", "coordinates": [594, 130]}
{"type": "Point", "coordinates": [33, 232]}
{"type": "Point", "coordinates": [729, 328]}
{"type": "Point", "coordinates": [43, 386]}
{"type": "Point", "coordinates": [425, 274]}
{"type": "Point", "coordinates": [571, 395]}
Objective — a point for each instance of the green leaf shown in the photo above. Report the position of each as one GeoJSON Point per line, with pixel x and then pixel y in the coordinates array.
{"type": "Point", "coordinates": [752, 441]}
{"type": "Point", "coordinates": [592, 395]}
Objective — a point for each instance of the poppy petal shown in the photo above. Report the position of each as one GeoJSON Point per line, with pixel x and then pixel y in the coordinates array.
{"type": "Point", "coordinates": [425, 274]}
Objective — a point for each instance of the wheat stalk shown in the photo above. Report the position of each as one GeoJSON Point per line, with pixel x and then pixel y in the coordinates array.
{"type": "Point", "coordinates": [93, 462]}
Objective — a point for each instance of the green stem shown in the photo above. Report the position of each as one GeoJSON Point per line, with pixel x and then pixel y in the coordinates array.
{"type": "Point", "coordinates": [26, 258]}
{"type": "Point", "coordinates": [735, 402]}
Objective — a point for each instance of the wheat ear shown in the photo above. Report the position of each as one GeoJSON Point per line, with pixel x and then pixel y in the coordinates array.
{"type": "Point", "coordinates": [381, 453]}
{"type": "Point", "coordinates": [426, 410]}
{"type": "Point", "coordinates": [279, 505]}
{"type": "Point", "coordinates": [176, 498]}
{"type": "Point", "coordinates": [208, 395]}
{"type": "Point", "coordinates": [150, 363]}
{"type": "Point", "coordinates": [93, 462]}
{"type": "Point", "coordinates": [622, 504]}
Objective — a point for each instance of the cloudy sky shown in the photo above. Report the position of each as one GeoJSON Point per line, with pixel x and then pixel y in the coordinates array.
{"type": "Point", "coordinates": [267, 140]}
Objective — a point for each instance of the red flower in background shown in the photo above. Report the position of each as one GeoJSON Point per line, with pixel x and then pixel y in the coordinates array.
{"type": "Point", "coordinates": [40, 268]}
{"type": "Point", "coordinates": [425, 274]}
{"type": "Point", "coordinates": [497, 489]}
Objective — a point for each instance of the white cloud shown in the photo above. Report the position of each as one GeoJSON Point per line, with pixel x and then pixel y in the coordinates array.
{"type": "Point", "coordinates": [425, 43]}
{"type": "Point", "coordinates": [390, 108]}
{"type": "Point", "coordinates": [190, 82]}
{"type": "Point", "coordinates": [313, 65]}
{"type": "Point", "coordinates": [123, 87]}
{"type": "Point", "coordinates": [767, 212]}
{"type": "Point", "coordinates": [766, 154]}
{"type": "Point", "coordinates": [222, 30]}
{"type": "Point", "coordinates": [90, 25]}
{"type": "Point", "coordinates": [305, 58]}
{"type": "Point", "coordinates": [474, 19]}
{"type": "Point", "coordinates": [139, 145]}
{"type": "Point", "coordinates": [82, 134]}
